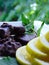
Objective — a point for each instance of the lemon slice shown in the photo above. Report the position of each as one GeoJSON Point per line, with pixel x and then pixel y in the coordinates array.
{"type": "Point", "coordinates": [47, 36]}
{"type": "Point", "coordinates": [42, 62]}
{"type": "Point", "coordinates": [24, 58]}
{"type": "Point", "coordinates": [21, 57]}
{"type": "Point", "coordinates": [42, 44]}
{"type": "Point", "coordinates": [33, 51]}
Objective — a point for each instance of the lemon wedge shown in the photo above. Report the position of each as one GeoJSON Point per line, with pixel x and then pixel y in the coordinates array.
{"type": "Point", "coordinates": [34, 51]}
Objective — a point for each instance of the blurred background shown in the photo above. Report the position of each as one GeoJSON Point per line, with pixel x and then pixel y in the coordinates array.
{"type": "Point", "coordinates": [24, 10]}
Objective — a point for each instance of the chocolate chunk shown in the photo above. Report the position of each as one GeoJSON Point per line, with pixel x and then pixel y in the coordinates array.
{"type": "Point", "coordinates": [11, 47]}
{"type": "Point", "coordinates": [17, 29]}
{"type": "Point", "coordinates": [1, 49]}
{"type": "Point", "coordinates": [8, 46]}
{"type": "Point", "coordinates": [4, 32]}
{"type": "Point", "coordinates": [5, 25]}
{"type": "Point", "coordinates": [4, 40]}
{"type": "Point", "coordinates": [26, 38]}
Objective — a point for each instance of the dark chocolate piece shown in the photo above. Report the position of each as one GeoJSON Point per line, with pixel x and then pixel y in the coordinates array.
{"type": "Point", "coordinates": [17, 29]}
{"type": "Point", "coordinates": [1, 49]}
{"type": "Point", "coordinates": [4, 40]}
{"type": "Point", "coordinates": [5, 25]}
{"type": "Point", "coordinates": [4, 32]}
{"type": "Point", "coordinates": [8, 47]}
{"type": "Point", "coordinates": [11, 47]}
{"type": "Point", "coordinates": [26, 38]}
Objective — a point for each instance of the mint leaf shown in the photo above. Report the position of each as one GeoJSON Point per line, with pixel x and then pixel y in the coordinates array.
{"type": "Point", "coordinates": [25, 20]}
{"type": "Point", "coordinates": [39, 30]}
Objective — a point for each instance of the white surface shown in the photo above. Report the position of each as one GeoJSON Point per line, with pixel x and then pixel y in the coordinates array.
{"type": "Point", "coordinates": [19, 23]}
{"type": "Point", "coordinates": [45, 28]}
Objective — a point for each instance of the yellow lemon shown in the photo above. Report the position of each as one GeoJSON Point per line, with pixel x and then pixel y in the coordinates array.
{"type": "Point", "coordinates": [42, 62]}
{"type": "Point", "coordinates": [24, 58]}
{"type": "Point", "coordinates": [47, 36]}
{"type": "Point", "coordinates": [42, 44]}
{"type": "Point", "coordinates": [34, 51]}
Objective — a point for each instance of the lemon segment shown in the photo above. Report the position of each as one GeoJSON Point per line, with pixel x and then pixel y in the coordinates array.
{"type": "Point", "coordinates": [42, 62]}
{"type": "Point", "coordinates": [42, 44]}
{"type": "Point", "coordinates": [47, 36]}
{"type": "Point", "coordinates": [33, 51]}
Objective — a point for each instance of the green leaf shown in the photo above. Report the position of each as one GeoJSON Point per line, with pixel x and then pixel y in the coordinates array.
{"type": "Point", "coordinates": [39, 30]}
{"type": "Point", "coordinates": [25, 20]}
{"type": "Point", "coordinates": [30, 28]}
{"type": "Point", "coordinates": [8, 61]}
